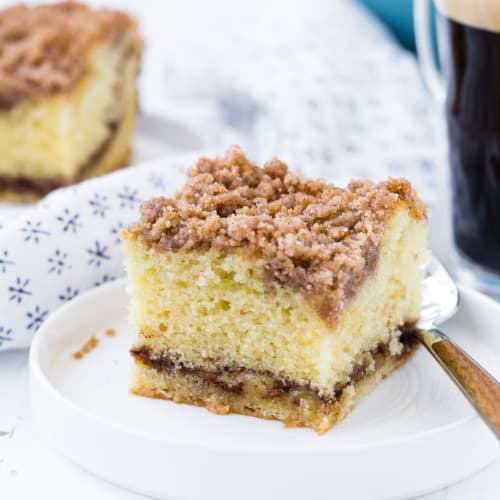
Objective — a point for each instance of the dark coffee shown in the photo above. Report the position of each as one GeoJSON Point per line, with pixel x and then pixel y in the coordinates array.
{"type": "Point", "coordinates": [472, 67]}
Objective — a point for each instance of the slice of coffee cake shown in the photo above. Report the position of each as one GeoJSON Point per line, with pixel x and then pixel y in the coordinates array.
{"type": "Point", "coordinates": [258, 292]}
{"type": "Point", "coordinates": [67, 95]}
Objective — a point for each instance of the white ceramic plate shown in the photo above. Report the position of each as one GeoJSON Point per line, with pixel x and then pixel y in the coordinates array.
{"type": "Point", "coordinates": [156, 137]}
{"type": "Point", "coordinates": [413, 434]}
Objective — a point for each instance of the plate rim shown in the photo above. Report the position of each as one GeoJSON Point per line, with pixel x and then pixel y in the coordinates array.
{"type": "Point", "coordinates": [119, 285]}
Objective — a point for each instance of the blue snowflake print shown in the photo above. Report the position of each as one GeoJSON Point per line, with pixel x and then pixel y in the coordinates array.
{"type": "Point", "coordinates": [5, 261]}
{"type": "Point", "coordinates": [69, 221]}
{"type": "Point", "coordinates": [19, 290]}
{"type": "Point", "coordinates": [394, 165]}
{"type": "Point", "coordinates": [327, 156]}
{"type": "Point", "coordinates": [312, 103]}
{"type": "Point", "coordinates": [350, 147]}
{"type": "Point", "coordinates": [36, 318]}
{"type": "Point", "coordinates": [426, 164]}
{"type": "Point", "coordinates": [5, 334]}
{"type": "Point", "coordinates": [68, 294]}
{"type": "Point", "coordinates": [34, 231]}
{"type": "Point", "coordinates": [157, 182]}
{"type": "Point", "coordinates": [310, 152]}
{"type": "Point", "coordinates": [115, 231]}
{"type": "Point", "coordinates": [57, 263]}
{"type": "Point", "coordinates": [98, 203]}
{"type": "Point", "coordinates": [409, 137]}
{"type": "Point", "coordinates": [180, 168]}
{"type": "Point", "coordinates": [106, 278]}
{"type": "Point", "coordinates": [128, 198]}
{"type": "Point", "coordinates": [98, 254]}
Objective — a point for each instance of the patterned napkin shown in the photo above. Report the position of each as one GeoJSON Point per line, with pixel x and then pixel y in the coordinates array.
{"type": "Point", "coordinates": [335, 100]}
{"type": "Point", "coordinates": [70, 243]}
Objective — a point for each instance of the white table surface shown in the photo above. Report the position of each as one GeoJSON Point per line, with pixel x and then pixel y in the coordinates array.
{"type": "Point", "coordinates": [29, 469]}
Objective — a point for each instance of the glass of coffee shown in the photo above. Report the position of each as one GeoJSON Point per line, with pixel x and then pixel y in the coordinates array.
{"type": "Point", "coordinates": [468, 85]}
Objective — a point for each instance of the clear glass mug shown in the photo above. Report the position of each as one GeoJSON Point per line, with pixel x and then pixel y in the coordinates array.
{"type": "Point", "coordinates": [468, 86]}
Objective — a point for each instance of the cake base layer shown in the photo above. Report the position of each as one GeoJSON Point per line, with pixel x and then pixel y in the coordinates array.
{"type": "Point", "coordinates": [112, 154]}
{"type": "Point", "coordinates": [57, 140]}
{"type": "Point", "coordinates": [262, 394]}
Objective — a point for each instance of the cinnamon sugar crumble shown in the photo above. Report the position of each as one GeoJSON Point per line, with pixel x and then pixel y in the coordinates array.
{"type": "Point", "coordinates": [110, 332]}
{"type": "Point", "coordinates": [90, 345]}
{"type": "Point", "coordinates": [43, 49]}
{"type": "Point", "coordinates": [314, 237]}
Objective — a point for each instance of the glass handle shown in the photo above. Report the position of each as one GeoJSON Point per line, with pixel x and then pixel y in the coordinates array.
{"type": "Point", "coordinates": [428, 69]}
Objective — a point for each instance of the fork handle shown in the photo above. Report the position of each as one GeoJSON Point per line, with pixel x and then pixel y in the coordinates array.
{"type": "Point", "coordinates": [478, 386]}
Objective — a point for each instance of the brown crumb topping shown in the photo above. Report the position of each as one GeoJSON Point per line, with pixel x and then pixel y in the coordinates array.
{"type": "Point", "coordinates": [90, 345]}
{"type": "Point", "coordinates": [110, 332]}
{"type": "Point", "coordinates": [314, 237]}
{"type": "Point", "coordinates": [43, 49]}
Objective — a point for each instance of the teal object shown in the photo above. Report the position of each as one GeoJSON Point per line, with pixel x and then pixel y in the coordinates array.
{"type": "Point", "coordinates": [398, 16]}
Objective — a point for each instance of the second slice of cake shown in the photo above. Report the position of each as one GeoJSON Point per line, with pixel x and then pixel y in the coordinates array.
{"type": "Point", "coordinates": [258, 292]}
{"type": "Point", "coordinates": [68, 99]}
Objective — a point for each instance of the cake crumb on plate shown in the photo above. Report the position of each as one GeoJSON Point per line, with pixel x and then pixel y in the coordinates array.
{"type": "Point", "coordinates": [90, 345]}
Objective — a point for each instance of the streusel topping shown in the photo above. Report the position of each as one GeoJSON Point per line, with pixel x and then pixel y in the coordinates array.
{"type": "Point", "coordinates": [314, 237]}
{"type": "Point", "coordinates": [43, 49]}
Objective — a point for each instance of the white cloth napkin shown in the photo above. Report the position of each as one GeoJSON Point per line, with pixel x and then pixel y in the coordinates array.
{"type": "Point", "coordinates": [330, 93]}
